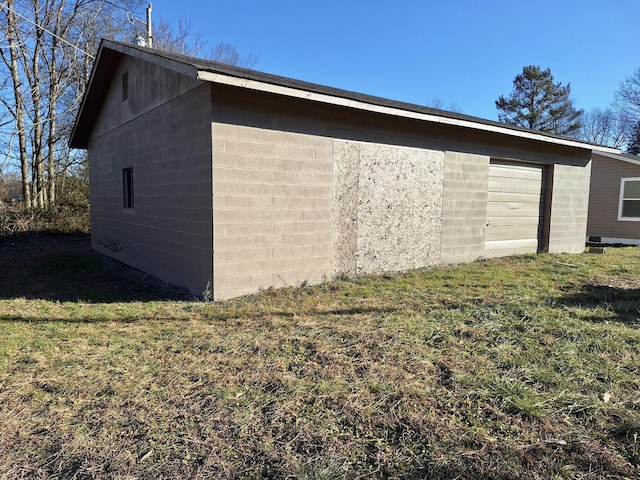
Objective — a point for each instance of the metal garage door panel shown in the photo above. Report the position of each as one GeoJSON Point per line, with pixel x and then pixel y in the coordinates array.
{"type": "Point", "coordinates": [513, 209]}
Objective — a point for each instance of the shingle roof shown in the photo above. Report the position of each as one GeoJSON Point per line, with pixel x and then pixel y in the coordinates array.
{"type": "Point", "coordinates": [198, 68]}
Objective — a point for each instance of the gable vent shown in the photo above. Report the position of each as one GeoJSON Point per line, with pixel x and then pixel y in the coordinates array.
{"type": "Point", "coordinates": [125, 87]}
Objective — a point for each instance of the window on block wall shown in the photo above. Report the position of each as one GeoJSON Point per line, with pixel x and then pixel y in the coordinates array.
{"type": "Point", "coordinates": [629, 208]}
{"type": "Point", "coordinates": [127, 188]}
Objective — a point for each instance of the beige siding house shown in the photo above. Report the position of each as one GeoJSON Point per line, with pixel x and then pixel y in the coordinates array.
{"type": "Point", "coordinates": [202, 173]}
{"type": "Point", "coordinates": [614, 199]}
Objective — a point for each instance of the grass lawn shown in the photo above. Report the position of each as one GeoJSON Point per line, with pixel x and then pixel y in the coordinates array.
{"type": "Point", "coordinates": [527, 367]}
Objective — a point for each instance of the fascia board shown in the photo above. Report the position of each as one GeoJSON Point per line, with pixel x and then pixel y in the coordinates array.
{"type": "Point", "coordinates": [224, 79]}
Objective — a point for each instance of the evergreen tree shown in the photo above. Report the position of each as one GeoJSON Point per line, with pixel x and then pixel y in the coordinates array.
{"type": "Point", "coordinates": [538, 103]}
{"type": "Point", "coordinates": [633, 147]}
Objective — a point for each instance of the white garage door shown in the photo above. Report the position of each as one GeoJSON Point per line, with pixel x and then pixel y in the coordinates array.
{"type": "Point", "coordinates": [515, 209]}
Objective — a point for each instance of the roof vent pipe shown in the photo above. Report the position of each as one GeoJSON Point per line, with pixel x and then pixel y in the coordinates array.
{"type": "Point", "coordinates": [149, 32]}
{"type": "Point", "coordinates": [141, 41]}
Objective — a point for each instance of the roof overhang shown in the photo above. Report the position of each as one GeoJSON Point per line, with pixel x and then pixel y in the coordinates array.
{"type": "Point", "coordinates": [476, 124]}
{"type": "Point", "coordinates": [617, 156]}
{"type": "Point", "coordinates": [111, 52]}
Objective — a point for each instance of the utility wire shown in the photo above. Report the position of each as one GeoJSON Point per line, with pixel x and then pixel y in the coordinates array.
{"type": "Point", "coordinates": [49, 32]}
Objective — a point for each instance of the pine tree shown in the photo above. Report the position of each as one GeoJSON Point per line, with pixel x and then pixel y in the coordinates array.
{"type": "Point", "coordinates": [538, 103]}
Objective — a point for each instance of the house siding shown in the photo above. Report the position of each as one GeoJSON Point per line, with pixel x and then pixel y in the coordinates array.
{"type": "Point", "coordinates": [604, 200]}
{"type": "Point", "coordinates": [168, 233]}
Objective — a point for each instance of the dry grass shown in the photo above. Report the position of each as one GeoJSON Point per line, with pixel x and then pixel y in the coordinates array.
{"type": "Point", "coordinates": [57, 219]}
{"type": "Point", "coordinates": [515, 368]}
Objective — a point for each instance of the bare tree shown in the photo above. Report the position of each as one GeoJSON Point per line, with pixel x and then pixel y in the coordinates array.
{"type": "Point", "coordinates": [605, 127]}
{"type": "Point", "coordinates": [48, 57]}
{"type": "Point", "coordinates": [627, 97]}
{"type": "Point", "coordinates": [439, 104]}
{"type": "Point", "coordinates": [183, 40]}
{"type": "Point", "coordinates": [17, 109]}
{"type": "Point", "coordinates": [179, 38]}
{"type": "Point", "coordinates": [227, 53]}
{"type": "Point", "coordinates": [47, 54]}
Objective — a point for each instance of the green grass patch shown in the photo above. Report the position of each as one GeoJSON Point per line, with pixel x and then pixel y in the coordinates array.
{"type": "Point", "coordinates": [526, 367]}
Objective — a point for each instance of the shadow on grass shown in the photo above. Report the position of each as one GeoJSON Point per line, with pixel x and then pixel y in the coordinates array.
{"type": "Point", "coordinates": [341, 312]}
{"type": "Point", "coordinates": [65, 320]}
{"type": "Point", "coordinates": [623, 302]}
{"type": "Point", "coordinates": [63, 267]}
{"type": "Point", "coordinates": [338, 312]}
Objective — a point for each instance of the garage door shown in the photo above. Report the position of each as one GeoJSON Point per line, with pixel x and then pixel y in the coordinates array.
{"type": "Point", "coordinates": [515, 209]}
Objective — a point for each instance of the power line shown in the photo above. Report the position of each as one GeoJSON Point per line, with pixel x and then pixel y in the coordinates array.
{"type": "Point", "coordinates": [49, 32]}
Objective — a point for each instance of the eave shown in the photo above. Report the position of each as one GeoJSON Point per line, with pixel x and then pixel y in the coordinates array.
{"type": "Point", "coordinates": [634, 160]}
{"type": "Point", "coordinates": [110, 53]}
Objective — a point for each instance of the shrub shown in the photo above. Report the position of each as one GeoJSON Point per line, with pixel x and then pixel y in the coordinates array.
{"type": "Point", "coordinates": [61, 218]}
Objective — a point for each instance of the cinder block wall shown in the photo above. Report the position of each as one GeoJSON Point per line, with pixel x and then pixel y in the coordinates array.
{"type": "Point", "coordinates": [280, 220]}
{"type": "Point", "coordinates": [149, 87]}
{"type": "Point", "coordinates": [272, 209]}
{"type": "Point", "coordinates": [569, 208]}
{"type": "Point", "coordinates": [256, 190]}
{"type": "Point", "coordinates": [464, 217]}
{"type": "Point", "coordinates": [168, 233]}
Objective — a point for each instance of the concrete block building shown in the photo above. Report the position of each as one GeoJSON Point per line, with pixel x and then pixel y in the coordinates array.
{"type": "Point", "coordinates": [203, 173]}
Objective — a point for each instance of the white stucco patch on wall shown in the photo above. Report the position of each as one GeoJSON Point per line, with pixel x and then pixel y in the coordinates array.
{"type": "Point", "coordinates": [387, 206]}
{"type": "Point", "coordinates": [344, 211]}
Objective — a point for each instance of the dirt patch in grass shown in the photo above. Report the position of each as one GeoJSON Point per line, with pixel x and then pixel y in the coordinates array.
{"type": "Point", "coordinates": [63, 267]}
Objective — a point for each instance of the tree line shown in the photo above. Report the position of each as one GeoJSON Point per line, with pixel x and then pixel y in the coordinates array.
{"type": "Point", "coordinates": [47, 48]}
{"type": "Point", "coordinates": [47, 51]}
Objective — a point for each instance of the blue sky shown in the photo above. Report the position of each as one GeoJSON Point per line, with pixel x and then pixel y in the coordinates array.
{"type": "Point", "coordinates": [464, 52]}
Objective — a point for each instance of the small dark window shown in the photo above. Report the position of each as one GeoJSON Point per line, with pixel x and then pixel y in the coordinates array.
{"type": "Point", "coordinates": [125, 87]}
{"type": "Point", "coordinates": [127, 188]}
